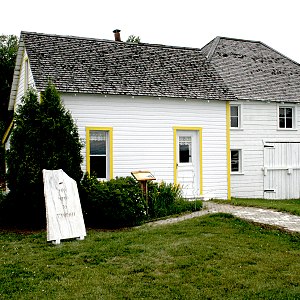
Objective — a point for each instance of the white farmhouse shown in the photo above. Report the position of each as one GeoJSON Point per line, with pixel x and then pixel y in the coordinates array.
{"type": "Point", "coordinates": [220, 121]}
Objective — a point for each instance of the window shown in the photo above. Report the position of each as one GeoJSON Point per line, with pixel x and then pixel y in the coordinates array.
{"type": "Point", "coordinates": [235, 116]}
{"type": "Point", "coordinates": [99, 152]}
{"type": "Point", "coordinates": [185, 149]}
{"type": "Point", "coordinates": [286, 117]}
{"type": "Point", "coordinates": [236, 161]}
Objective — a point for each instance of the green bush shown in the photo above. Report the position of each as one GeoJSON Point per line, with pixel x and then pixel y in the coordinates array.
{"type": "Point", "coordinates": [7, 211]}
{"type": "Point", "coordinates": [120, 202]}
{"type": "Point", "coordinates": [166, 199]}
{"type": "Point", "coordinates": [115, 203]}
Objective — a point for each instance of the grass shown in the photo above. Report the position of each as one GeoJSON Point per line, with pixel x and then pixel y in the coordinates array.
{"type": "Point", "coordinates": [290, 206]}
{"type": "Point", "coordinates": [212, 257]}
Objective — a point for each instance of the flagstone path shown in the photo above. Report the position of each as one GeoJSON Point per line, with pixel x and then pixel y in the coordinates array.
{"type": "Point", "coordinates": [282, 220]}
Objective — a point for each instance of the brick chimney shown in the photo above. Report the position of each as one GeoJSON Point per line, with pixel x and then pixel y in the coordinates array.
{"type": "Point", "coordinates": [117, 35]}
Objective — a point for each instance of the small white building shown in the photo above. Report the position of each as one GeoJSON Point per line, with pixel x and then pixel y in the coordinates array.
{"type": "Point", "coordinates": [220, 121]}
{"type": "Point", "coordinates": [265, 121]}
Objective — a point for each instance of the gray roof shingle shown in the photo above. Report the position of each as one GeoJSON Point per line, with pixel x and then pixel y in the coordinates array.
{"type": "Point", "coordinates": [253, 70]}
{"type": "Point", "coordinates": [107, 67]}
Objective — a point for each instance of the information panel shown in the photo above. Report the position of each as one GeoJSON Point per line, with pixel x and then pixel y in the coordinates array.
{"type": "Point", "coordinates": [63, 208]}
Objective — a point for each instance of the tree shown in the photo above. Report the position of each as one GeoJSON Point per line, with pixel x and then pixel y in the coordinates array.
{"type": "Point", "coordinates": [8, 54]}
{"type": "Point", "coordinates": [133, 39]}
{"type": "Point", "coordinates": [44, 137]}
{"type": "Point", "coordinates": [2, 160]}
{"type": "Point", "coordinates": [60, 138]}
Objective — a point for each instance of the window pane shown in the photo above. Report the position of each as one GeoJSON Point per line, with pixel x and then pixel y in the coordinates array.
{"type": "Point", "coordinates": [184, 154]}
{"type": "Point", "coordinates": [234, 166]}
{"type": "Point", "coordinates": [234, 122]}
{"type": "Point", "coordinates": [98, 166]}
{"type": "Point", "coordinates": [281, 123]}
{"type": "Point", "coordinates": [289, 112]}
{"type": "Point", "coordinates": [235, 161]}
{"type": "Point", "coordinates": [97, 142]}
{"type": "Point", "coordinates": [234, 111]}
{"type": "Point", "coordinates": [289, 123]}
{"type": "Point", "coordinates": [98, 147]}
{"type": "Point", "coordinates": [234, 154]}
{"type": "Point", "coordinates": [185, 149]}
{"type": "Point", "coordinates": [281, 112]}
{"type": "Point", "coordinates": [234, 116]}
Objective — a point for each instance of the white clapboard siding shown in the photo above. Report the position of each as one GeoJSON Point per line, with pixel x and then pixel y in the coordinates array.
{"type": "Point", "coordinates": [143, 133]}
{"type": "Point", "coordinates": [259, 124]}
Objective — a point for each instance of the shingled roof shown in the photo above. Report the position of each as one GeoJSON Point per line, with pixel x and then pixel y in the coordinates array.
{"type": "Point", "coordinates": [85, 65]}
{"type": "Point", "coordinates": [253, 70]}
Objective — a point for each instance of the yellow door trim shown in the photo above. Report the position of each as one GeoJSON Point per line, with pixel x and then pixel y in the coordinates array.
{"type": "Point", "coordinates": [199, 129]}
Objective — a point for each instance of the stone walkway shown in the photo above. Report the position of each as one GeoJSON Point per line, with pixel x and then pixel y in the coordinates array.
{"type": "Point", "coordinates": [258, 215]}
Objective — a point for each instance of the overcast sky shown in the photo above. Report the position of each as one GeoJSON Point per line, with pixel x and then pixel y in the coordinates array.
{"type": "Point", "coordinates": [189, 23]}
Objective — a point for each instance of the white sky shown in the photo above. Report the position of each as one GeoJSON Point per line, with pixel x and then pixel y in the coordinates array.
{"type": "Point", "coordinates": [190, 23]}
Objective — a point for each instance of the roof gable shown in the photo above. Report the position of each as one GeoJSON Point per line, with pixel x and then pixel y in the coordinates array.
{"type": "Point", "coordinates": [253, 70]}
{"type": "Point", "coordinates": [100, 66]}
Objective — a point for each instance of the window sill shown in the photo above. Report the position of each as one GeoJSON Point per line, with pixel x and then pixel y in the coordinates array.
{"type": "Point", "coordinates": [287, 129]}
{"type": "Point", "coordinates": [236, 129]}
{"type": "Point", "coordinates": [236, 173]}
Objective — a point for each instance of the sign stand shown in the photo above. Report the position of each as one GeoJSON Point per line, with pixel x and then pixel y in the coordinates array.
{"type": "Point", "coordinates": [143, 177]}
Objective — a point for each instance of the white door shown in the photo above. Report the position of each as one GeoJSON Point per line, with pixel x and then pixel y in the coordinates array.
{"type": "Point", "coordinates": [188, 162]}
{"type": "Point", "coordinates": [282, 170]}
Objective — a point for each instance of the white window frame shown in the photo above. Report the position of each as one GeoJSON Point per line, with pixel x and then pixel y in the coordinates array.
{"type": "Point", "coordinates": [239, 106]}
{"type": "Point", "coordinates": [240, 161]}
{"type": "Point", "coordinates": [294, 117]}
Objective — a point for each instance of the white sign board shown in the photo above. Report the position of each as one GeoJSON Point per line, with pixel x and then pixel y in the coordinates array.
{"type": "Point", "coordinates": [63, 208]}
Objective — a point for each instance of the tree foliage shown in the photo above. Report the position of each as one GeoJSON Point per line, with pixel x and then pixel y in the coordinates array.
{"type": "Point", "coordinates": [2, 152]}
{"type": "Point", "coordinates": [8, 54]}
{"type": "Point", "coordinates": [44, 137]}
{"type": "Point", "coordinates": [133, 39]}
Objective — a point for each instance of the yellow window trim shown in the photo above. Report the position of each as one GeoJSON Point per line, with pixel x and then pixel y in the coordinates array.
{"type": "Point", "coordinates": [228, 149]}
{"type": "Point", "coordinates": [199, 129]}
{"type": "Point", "coordinates": [110, 133]}
{"type": "Point", "coordinates": [7, 132]}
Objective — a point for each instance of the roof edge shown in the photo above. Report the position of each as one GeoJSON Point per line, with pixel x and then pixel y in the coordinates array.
{"type": "Point", "coordinates": [258, 42]}
{"type": "Point", "coordinates": [16, 75]}
{"type": "Point", "coordinates": [213, 48]}
{"type": "Point", "coordinates": [109, 41]}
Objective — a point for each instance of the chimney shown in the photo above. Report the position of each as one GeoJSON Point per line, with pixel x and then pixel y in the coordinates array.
{"type": "Point", "coordinates": [117, 35]}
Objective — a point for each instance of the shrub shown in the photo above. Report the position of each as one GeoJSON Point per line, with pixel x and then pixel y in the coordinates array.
{"type": "Point", "coordinates": [115, 203]}
{"type": "Point", "coordinates": [166, 199]}
{"type": "Point", "coordinates": [120, 202]}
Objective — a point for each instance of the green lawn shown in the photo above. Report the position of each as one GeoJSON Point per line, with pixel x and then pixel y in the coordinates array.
{"type": "Point", "coordinates": [291, 206]}
{"type": "Point", "coordinates": [212, 257]}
